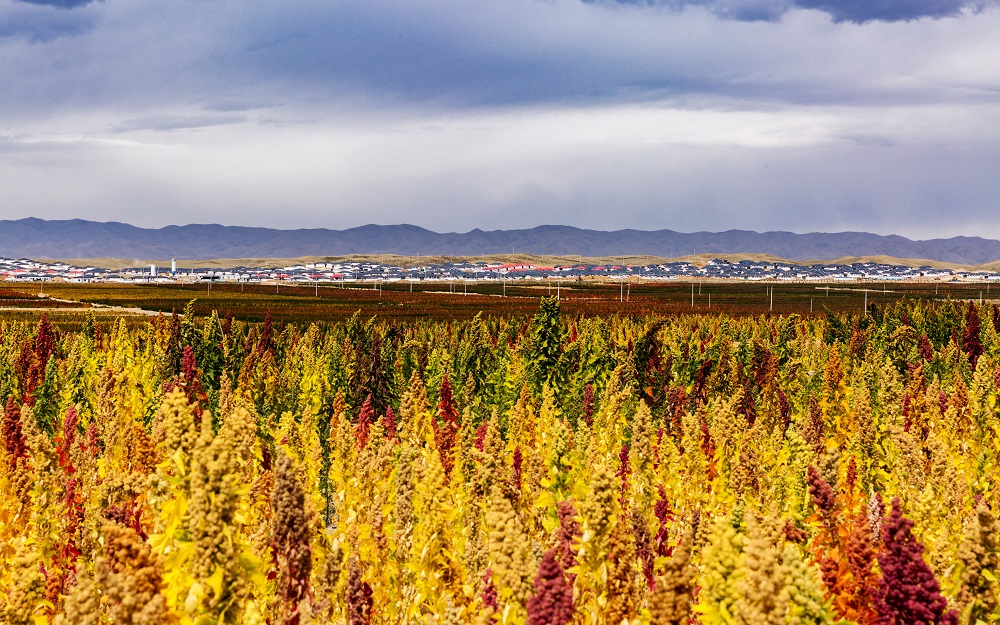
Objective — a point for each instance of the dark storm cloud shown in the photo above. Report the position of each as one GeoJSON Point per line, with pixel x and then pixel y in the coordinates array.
{"type": "Point", "coordinates": [535, 53]}
{"type": "Point", "coordinates": [443, 55]}
{"type": "Point", "coordinates": [858, 11]}
{"type": "Point", "coordinates": [887, 10]}
{"type": "Point", "coordinates": [61, 4]}
{"type": "Point", "coordinates": [386, 51]}
{"type": "Point", "coordinates": [450, 55]}
{"type": "Point", "coordinates": [38, 23]}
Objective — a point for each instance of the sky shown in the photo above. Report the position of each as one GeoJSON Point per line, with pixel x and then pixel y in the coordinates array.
{"type": "Point", "coordinates": [800, 115]}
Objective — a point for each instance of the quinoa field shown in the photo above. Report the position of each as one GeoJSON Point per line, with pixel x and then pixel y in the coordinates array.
{"type": "Point", "coordinates": [375, 456]}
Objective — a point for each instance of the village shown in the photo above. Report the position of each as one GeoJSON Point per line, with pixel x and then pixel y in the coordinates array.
{"type": "Point", "coordinates": [26, 270]}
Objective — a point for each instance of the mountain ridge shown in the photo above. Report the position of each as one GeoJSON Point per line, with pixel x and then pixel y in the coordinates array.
{"type": "Point", "coordinates": [77, 238]}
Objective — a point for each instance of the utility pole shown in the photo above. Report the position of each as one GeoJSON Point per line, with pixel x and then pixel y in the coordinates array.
{"type": "Point", "coordinates": [692, 295]}
{"type": "Point", "coordinates": [772, 299]}
{"type": "Point", "coordinates": [621, 297]}
{"type": "Point", "coordinates": [866, 302]}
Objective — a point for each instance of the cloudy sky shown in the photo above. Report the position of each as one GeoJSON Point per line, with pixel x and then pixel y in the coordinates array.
{"type": "Point", "coordinates": [802, 115]}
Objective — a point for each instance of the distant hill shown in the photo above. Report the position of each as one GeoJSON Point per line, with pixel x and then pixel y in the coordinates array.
{"type": "Point", "coordinates": [37, 238]}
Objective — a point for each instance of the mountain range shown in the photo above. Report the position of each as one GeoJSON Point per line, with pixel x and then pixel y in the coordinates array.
{"type": "Point", "coordinates": [76, 238]}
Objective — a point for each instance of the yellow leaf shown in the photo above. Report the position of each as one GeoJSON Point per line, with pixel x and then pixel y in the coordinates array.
{"type": "Point", "coordinates": [215, 582]}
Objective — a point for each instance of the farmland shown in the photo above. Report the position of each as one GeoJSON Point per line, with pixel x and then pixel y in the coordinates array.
{"type": "Point", "coordinates": [278, 458]}
{"type": "Point", "coordinates": [396, 301]}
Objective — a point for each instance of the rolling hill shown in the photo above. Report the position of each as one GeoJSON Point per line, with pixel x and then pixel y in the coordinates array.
{"type": "Point", "coordinates": [37, 238]}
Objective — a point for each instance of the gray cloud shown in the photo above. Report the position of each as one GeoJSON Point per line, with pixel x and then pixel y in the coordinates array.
{"type": "Point", "coordinates": [37, 23]}
{"type": "Point", "coordinates": [454, 115]}
{"type": "Point", "coordinates": [858, 11]}
{"type": "Point", "coordinates": [888, 10]}
{"type": "Point", "coordinates": [531, 53]}
{"type": "Point", "coordinates": [167, 123]}
{"type": "Point", "coordinates": [61, 4]}
{"type": "Point", "coordinates": [708, 188]}
{"type": "Point", "coordinates": [686, 170]}
{"type": "Point", "coordinates": [745, 10]}
{"type": "Point", "coordinates": [391, 53]}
